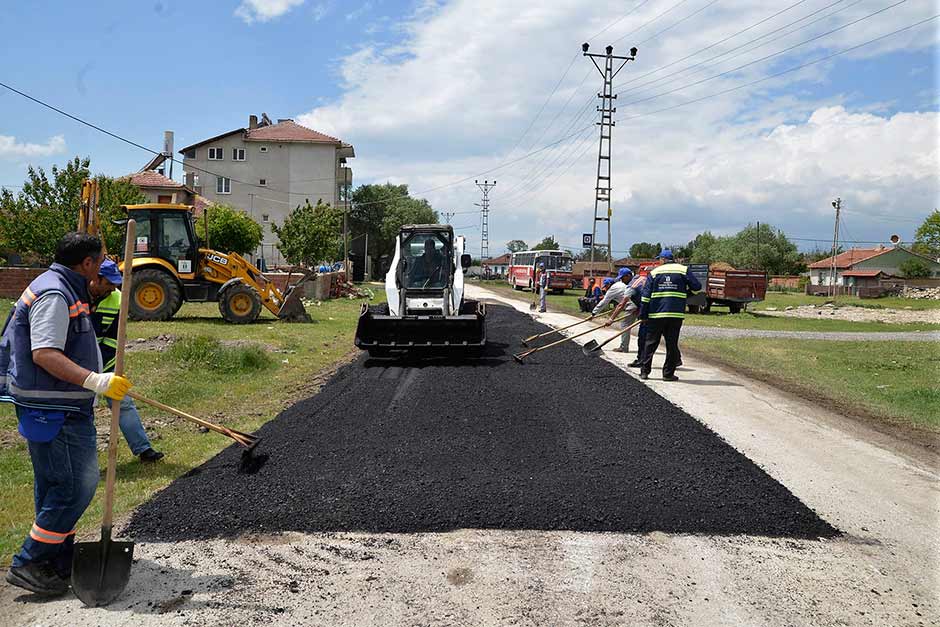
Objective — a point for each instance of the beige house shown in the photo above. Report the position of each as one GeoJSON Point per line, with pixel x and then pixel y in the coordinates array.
{"type": "Point", "coordinates": [268, 169]}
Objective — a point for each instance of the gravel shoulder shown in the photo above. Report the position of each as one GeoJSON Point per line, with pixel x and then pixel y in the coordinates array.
{"type": "Point", "coordinates": [882, 570]}
{"type": "Point", "coordinates": [851, 336]}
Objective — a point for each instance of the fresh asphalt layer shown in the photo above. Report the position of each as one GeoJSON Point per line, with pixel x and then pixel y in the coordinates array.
{"type": "Point", "coordinates": [563, 442]}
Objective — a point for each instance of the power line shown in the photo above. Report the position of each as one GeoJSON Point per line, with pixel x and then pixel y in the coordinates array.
{"type": "Point", "coordinates": [674, 24]}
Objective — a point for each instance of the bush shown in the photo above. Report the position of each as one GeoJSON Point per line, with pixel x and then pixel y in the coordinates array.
{"type": "Point", "coordinates": [208, 352]}
{"type": "Point", "coordinates": [231, 230]}
{"type": "Point", "coordinates": [914, 269]}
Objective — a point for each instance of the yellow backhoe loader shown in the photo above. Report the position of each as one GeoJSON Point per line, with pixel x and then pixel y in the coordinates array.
{"type": "Point", "coordinates": [170, 268]}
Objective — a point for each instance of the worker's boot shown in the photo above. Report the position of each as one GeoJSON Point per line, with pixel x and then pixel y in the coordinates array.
{"type": "Point", "coordinates": [38, 578]}
{"type": "Point", "coordinates": [150, 456]}
{"type": "Point", "coordinates": [670, 377]}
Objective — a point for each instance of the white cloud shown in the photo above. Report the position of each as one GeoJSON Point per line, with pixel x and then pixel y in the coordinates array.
{"type": "Point", "coordinates": [12, 149]}
{"type": "Point", "coordinates": [321, 10]}
{"type": "Point", "coordinates": [453, 97]}
{"type": "Point", "coordinates": [264, 10]}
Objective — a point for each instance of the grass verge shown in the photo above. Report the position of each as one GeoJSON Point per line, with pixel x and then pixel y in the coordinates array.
{"type": "Point", "coordinates": [894, 382]}
{"type": "Point", "coordinates": [240, 375]}
{"type": "Point", "coordinates": [568, 303]}
{"type": "Point", "coordinates": [782, 300]}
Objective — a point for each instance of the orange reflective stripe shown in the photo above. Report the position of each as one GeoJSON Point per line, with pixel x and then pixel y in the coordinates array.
{"type": "Point", "coordinates": [28, 297]}
{"type": "Point", "coordinates": [39, 534]}
{"type": "Point", "coordinates": [78, 308]}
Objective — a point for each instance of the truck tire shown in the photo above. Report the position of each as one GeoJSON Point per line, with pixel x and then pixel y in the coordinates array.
{"type": "Point", "coordinates": [734, 307]}
{"type": "Point", "coordinates": [155, 295]}
{"type": "Point", "coordinates": [693, 309]}
{"type": "Point", "coordinates": [515, 286]}
{"type": "Point", "coordinates": [240, 304]}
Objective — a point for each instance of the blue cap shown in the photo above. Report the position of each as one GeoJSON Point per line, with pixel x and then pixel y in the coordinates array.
{"type": "Point", "coordinates": [109, 270]}
{"type": "Point", "coordinates": [40, 424]}
{"type": "Point", "coordinates": [666, 254]}
{"type": "Point", "coordinates": [542, 266]}
{"type": "Point", "coordinates": [608, 281]}
{"type": "Point", "coordinates": [624, 271]}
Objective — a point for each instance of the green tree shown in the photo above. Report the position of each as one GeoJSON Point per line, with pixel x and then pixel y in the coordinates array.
{"type": "Point", "coordinates": [381, 210]}
{"type": "Point", "coordinates": [231, 230]}
{"type": "Point", "coordinates": [914, 269]}
{"type": "Point", "coordinates": [766, 249]}
{"type": "Point", "coordinates": [547, 243]}
{"type": "Point", "coordinates": [645, 250]}
{"type": "Point", "coordinates": [516, 245]}
{"type": "Point", "coordinates": [311, 234]}
{"type": "Point", "coordinates": [600, 254]}
{"type": "Point", "coordinates": [33, 221]}
{"type": "Point", "coordinates": [927, 236]}
{"type": "Point", "coordinates": [705, 248]}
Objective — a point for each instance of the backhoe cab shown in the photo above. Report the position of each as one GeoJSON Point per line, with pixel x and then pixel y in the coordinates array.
{"type": "Point", "coordinates": [170, 267]}
{"type": "Point", "coordinates": [426, 310]}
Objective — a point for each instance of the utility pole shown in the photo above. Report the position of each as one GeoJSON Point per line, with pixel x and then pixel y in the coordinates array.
{"type": "Point", "coordinates": [448, 215]}
{"type": "Point", "coordinates": [602, 210]}
{"type": "Point", "coordinates": [485, 225]}
{"type": "Point", "coordinates": [837, 205]}
{"type": "Point", "coordinates": [346, 224]}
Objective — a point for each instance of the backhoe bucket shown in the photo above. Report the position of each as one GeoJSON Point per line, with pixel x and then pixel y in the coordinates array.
{"type": "Point", "coordinates": [292, 310]}
{"type": "Point", "coordinates": [382, 334]}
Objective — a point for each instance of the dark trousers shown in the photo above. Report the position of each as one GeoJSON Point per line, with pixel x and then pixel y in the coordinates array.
{"type": "Point", "coordinates": [640, 341]}
{"type": "Point", "coordinates": [65, 476]}
{"type": "Point", "coordinates": [656, 328]}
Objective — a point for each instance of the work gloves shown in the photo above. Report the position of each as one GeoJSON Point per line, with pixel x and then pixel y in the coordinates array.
{"type": "Point", "coordinates": [107, 383]}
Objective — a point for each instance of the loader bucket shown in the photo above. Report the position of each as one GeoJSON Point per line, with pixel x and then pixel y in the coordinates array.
{"type": "Point", "coordinates": [292, 310]}
{"type": "Point", "coordinates": [382, 334]}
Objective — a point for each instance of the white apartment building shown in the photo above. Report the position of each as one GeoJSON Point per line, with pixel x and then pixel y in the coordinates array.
{"type": "Point", "coordinates": [267, 170]}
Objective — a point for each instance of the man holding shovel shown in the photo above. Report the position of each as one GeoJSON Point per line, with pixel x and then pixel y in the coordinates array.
{"type": "Point", "coordinates": [50, 368]}
{"type": "Point", "coordinates": [630, 300]}
{"type": "Point", "coordinates": [106, 303]}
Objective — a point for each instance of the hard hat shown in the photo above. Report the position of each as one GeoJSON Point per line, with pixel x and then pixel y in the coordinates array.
{"type": "Point", "coordinates": [666, 254]}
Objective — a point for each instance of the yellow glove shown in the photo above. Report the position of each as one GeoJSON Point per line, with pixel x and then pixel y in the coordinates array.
{"type": "Point", "coordinates": [107, 383]}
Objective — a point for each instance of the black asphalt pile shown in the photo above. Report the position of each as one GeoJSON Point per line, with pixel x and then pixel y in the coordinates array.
{"type": "Point", "coordinates": [562, 442]}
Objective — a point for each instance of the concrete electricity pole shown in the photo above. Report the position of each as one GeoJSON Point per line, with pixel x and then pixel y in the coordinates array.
{"type": "Point", "coordinates": [837, 205]}
{"type": "Point", "coordinates": [602, 210]}
{"type": "Point", "coordinates": [485, 210]}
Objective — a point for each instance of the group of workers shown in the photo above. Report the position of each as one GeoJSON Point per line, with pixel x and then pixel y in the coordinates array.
{"type": "Point", "coordinates": [657, 299]}
{"type": "Point", "coordinates": [57, 356]}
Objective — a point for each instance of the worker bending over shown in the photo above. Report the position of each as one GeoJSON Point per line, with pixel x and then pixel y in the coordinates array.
{"type": "Point", "coordinates": [106, 304]}
{"type": "Point", "coordinates": [663, 307]}
{"type": "Point", "coordinates": [50, 368]}
{"type": "Point", "coordinates": [630, 303]}
{"type": "Point", "coordinates": [615, 294]}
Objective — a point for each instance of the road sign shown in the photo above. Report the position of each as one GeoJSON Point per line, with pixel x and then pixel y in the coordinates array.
{"type": "Point", "coordinates": [587, 239]}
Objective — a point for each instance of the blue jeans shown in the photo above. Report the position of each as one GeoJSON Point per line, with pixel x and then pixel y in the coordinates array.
{"type": "Point", "coordinates": [131, 426]}
{"type": "Point", "coordinates": [543, 292]}
{"type": "Point", "coordinates": [65, 476]}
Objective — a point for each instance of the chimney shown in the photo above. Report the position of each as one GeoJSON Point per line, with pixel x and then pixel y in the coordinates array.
{"type": "Point", "coordinates": [189, 179]}
{"type": "Point", "coordinates": [252, 122]}
{"type": "Point", "coordinates": [279, 120]}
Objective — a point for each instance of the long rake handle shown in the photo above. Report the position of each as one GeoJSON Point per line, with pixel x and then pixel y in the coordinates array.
{"type": "Point", "coordinates": [561, 341]}
{"type": "Point", "coordinates": [244, 440]}
{"type": "Point", "coordinates": [565, 328]}
{"type": "Point", "coordinates": [111, 473]}
{"type": "Point", "coordinates": [618, 334]}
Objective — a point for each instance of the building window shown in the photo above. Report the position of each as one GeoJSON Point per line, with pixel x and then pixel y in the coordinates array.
{"type": "Point", "coordinates": [215, 154]}
{"type": "Point", "coordinates": [238, 154]}
{"type": "Point", "coordinates": [263, 182]}
{"type": "Point", "coordinates": [263, 149]}
{"type": "Point", "coordinates": [190, 154]}
{"type": "Point", "coordinates": [265, 217]}
{"type": "Point", "coordinates": [223, 185]}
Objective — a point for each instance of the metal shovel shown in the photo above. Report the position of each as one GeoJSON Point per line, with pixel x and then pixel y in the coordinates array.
{"type": "Point", "coordinates": [100, 570]}
{"type": "Point", "coordinates": [592, 348]}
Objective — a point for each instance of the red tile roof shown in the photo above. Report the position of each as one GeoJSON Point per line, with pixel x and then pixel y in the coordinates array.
{"type": "Point", "coordinates": [863, 273]}
{"type": "Point", "coordinates": [150, 178]}
{"type": "Point", "coordinates": [502, 260]}
{"type": "Point", "coordinates": [289, 131]}
{"type": "Point", "coordinates": [850, 257]}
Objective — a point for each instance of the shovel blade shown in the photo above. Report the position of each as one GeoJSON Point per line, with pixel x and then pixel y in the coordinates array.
{"type": "Point", "coordinates": [591, 348]}
{"type": "Point", "coordinates": [100, 570]}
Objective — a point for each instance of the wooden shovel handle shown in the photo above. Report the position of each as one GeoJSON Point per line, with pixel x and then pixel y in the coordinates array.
{"type": "Point", "coordinates": [570, 337]}
{"type": "Point", "coordinates": [618, 334]}
{"type": "Point", "coordinates": [111, 472]}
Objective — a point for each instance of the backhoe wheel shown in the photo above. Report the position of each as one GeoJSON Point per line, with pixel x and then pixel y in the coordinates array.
{"type": "Point", "coordinates": [240, 304]}
{"type": "Point", "coordinates": [155, 295]}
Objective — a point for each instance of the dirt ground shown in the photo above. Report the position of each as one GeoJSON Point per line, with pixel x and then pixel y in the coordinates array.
{"type": "Point", "coordinates": [882, 570]}
{"type": "Point", "coordinates": [857, 314]}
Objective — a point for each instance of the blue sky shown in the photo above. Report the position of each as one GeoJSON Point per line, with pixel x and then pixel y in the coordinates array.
{"type": "Point", "coordinates": [432, 92]}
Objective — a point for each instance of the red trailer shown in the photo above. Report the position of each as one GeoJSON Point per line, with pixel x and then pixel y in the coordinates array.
{"type": "Point", "coordinates": [735, 288]}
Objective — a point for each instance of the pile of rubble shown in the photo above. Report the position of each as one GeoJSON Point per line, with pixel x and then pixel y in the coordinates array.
{"type": "Point", "coordinates": [928, 293]}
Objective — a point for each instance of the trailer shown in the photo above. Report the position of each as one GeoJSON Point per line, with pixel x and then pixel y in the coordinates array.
{"type": "Point", "coordinates": [733, 289]}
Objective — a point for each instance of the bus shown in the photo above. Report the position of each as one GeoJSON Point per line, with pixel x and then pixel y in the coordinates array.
{"type": "Point", "coordinates": [523, 268]}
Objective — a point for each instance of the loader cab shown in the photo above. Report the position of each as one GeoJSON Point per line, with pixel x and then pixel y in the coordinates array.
{"type": "Point", "coordinates": [427, 259]}
{"type": "Point", "coordinates": [166, 232]}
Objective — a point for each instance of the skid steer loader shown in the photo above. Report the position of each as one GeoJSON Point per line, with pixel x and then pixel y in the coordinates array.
{"type": "Point", "coordinates": [426, 311]}
{"type": "Point", "coordinates": [170, 267]}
